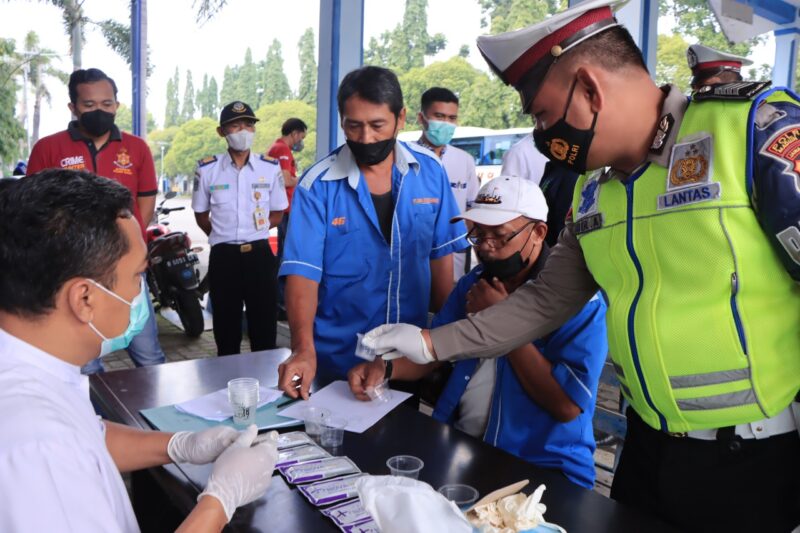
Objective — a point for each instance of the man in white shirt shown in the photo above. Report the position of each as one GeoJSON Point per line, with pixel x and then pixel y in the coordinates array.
{"type": "Point", "coordinates": [438, 117]}
{"type": "Point", "coordinates": [524, 161]}
{"type": "Point", "coordinates": [72, 258]}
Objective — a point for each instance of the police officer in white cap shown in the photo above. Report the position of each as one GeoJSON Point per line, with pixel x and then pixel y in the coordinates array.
{"type": "Point", "coordinates": [693, 237]}
{"type": "Point", "coordinates": [711, 66]}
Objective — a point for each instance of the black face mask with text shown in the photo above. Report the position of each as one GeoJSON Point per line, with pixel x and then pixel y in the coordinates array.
{"type": "Point", "coordinates": [97, 122]}
{"type": "Point", "coordinates": [563, 144]}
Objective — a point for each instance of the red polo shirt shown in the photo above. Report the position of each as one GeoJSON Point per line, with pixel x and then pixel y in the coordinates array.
{"type": "Point", "coordinates": [124, 158]}
{"type": "Point", "coordinates": [283, 153]}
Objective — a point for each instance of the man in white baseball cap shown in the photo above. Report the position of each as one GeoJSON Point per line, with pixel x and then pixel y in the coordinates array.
{"type": "Point", "coordinates": [692, 235]}
{"type": "Point", "coordinates": [710, 66]}
{"type": "Point", "coordinates": [537, 401]}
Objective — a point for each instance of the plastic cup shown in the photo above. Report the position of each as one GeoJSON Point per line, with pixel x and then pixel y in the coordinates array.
{"type": "Point", "coordinates": [405, 466]}
{"type": "Point", "coordinates": [243, 396]}
{"type": "Point", "coordinates": [380, 392]}
{"type": "Point", "coordinates": [332, 431]}
{"type": "Point", "coordinates": [314, 417]}
{"type": "Point", "coordinates": [462, 495]}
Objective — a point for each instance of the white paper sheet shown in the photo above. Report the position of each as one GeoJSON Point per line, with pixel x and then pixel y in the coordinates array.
{"type": "Point", "coordinates": [338, 399]}
{"type": "Point", "coordinates": [215, 406]}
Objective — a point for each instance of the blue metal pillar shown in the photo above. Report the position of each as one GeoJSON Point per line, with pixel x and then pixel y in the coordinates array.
{"type": "Point", "coordinates": [640, 17]}
{"type": "Point", "coordinates": [786, 41]}
{"type": "Point", "coordinates": [139, 66]}
{"type": "Point", "coordinates": [341, 49]}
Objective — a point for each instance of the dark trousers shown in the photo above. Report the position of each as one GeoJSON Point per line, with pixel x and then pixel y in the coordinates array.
{"type": "Point", "coordinates": [726, 485]}
{"type": "Point", "coordinates": [236, 277]}
{"type": "Point", "coordinates": [283, 227]}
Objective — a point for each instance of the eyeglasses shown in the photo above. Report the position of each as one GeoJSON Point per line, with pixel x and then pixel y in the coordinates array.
{"type": "Point", "coordinates": [498, 241]}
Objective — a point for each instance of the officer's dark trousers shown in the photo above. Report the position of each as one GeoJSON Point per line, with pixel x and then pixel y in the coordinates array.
{"type": "Point", "coordinates": [236, 277]}
{"type": "Point", "coordinates": [725, 485]}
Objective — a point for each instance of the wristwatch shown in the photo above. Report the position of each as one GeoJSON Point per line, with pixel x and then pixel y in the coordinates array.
{"type": "Point", "coordinates": [387, 373]}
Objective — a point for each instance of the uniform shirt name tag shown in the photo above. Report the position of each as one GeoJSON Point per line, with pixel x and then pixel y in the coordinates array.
{"type": "Point", "coordinates": [588, 223]}
{"type": "Point", "coordinates": [689, 195]}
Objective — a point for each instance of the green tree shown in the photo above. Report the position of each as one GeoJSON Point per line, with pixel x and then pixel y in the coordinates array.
{"type": "Point", "coordinates": [407, 45]}
{"type": "Point", "coordinates": [463, 51]}
{"type": "Point", "coordinates": [158, 138]}
{"type": "Point", "coordinates": [247, 81]}
{"type": "Point", "coordinates": [269, 128]}
{"type": "Point", "coordinates": [39, 69]}
{"type": "Point", "coordinates": [187, 113]}
{"type": "Point", "coordinates": [194, 140]}
{"type": "Point", "coordinates": [11, 131]}
{"type": "Point", "coordinates": [228, 92]}
{"type": "Point", "coordinates": [212, 99]}
{"type": "Point", "coordinates": [172, 112]}
{"type": "Point", "coordinates": [507, 15]}
{"type": "Point", "coordinates": [671, 65]}
{"type": "Point", "coordinates": [276, 86]}
{"type": "Point", "coordinates": [124, 120]}
{"type": "Point", "coordinates": [695, 22]}
{"type": "Point", "coordinates": [455, 74]}
{"type": "Point", "coordinates": [307, 89]}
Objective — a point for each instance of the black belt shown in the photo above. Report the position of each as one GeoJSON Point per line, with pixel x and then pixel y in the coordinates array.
{"type": "Point", "coordinates": [247, 246]}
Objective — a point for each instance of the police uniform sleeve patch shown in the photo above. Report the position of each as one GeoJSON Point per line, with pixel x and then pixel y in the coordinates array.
{"type": "Point", "coordinates": [206, 161]}
{"type": "Point", "coordinates": [740, 90]}
{"type": "Point", "coordinates": [269, 159]}
{"type": "Point", "coordinates": [784, 146]}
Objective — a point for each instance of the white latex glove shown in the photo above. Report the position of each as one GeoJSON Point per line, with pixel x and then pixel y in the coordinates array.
{"type": "Point", "coordinates": [200, 447]}
{"type": "Point", "coordinates": [399, 340]}
{"type": "Point", "coordinates": [242, 473]}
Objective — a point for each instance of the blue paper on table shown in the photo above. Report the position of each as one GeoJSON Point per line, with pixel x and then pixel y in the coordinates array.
{"type": "Point", "coordinates": [167, 418]}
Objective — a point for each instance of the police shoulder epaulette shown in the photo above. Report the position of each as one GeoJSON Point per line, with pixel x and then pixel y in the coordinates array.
{"type": "Point", "coordinates": [738, 90]}
{"type": "Point", "coordinates": [206, 161]}
{"type": "Point", "coordinates": [269, 159]}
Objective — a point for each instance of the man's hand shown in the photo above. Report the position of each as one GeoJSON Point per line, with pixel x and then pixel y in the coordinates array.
{"type": "Point", "coordinates": [399, 340]}
{"type": "Point", "coordinates": [200, 447]}
{"type": "Point", "coordinates": [485, 294]}
{"type": "Point", "coordinates": [242, 473]}
{"type": "Point", "coordinates": [298, 371]}
{"type": "Point", "coordinates": [366, 375]}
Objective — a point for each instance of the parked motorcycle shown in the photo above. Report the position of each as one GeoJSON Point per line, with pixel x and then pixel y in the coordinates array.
{"type": "Point", "coordinates": [172, 276]}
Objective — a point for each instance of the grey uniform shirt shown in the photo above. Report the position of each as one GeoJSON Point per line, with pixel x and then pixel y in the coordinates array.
{"type": "Point", "coordinates": [561, 289]}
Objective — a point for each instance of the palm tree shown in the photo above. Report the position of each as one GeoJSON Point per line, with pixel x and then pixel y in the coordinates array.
{"type": "Point", "coordinates": [39, 67]}
{"type": "Point", "coordinates": [74, 21]}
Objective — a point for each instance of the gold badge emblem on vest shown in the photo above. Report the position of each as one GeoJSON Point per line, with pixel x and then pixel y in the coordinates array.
{"type": "Point", "coordinates": [689, 174]}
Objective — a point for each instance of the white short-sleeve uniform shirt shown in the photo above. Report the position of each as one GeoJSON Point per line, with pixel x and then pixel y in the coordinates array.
{"type": "Point", "coordinates": [232, 195]}
{"type": "Point", "coordinates": [524, 161]}
{"type": "Point", "coordinates": [464, 183]}
{"type": "Point", "coordinates": [55, 471]}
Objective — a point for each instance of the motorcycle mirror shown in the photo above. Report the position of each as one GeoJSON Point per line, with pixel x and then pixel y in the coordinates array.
{"type": "Point", "coordinates": [197, 249]}
{"type": "Point", "coordinates": [170, 195]}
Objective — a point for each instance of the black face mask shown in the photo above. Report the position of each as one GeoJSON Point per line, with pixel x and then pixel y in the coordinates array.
{"type": "Point", "coordinates": [563, 144]}
{"type": "Point", "coordinates": [371, 153]}
{"type": "Point", "coordinates": [97, 122]}
{"type": "Point", "coordinates": [509, 267]}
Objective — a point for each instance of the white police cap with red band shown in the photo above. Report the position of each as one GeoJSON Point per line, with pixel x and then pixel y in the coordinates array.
{"type": "Point", "coordinates": [522, 57]}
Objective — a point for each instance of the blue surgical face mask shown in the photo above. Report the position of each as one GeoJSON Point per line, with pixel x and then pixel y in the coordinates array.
{"type": "Point", "coordinates": [439, 132]}
{"type": "Point", "coordinates": [140, 312]}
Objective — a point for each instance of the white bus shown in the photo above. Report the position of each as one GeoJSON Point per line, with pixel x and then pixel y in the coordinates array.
{"type": "Point", "coordinates": [485, 145]}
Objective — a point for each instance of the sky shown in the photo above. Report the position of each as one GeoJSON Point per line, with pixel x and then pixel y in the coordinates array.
{"type": "Point", "coordinates": [175, 39]}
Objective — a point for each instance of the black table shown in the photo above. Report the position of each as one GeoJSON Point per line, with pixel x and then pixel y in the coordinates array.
{"type": "Point", "coordinates": [450, 456]}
